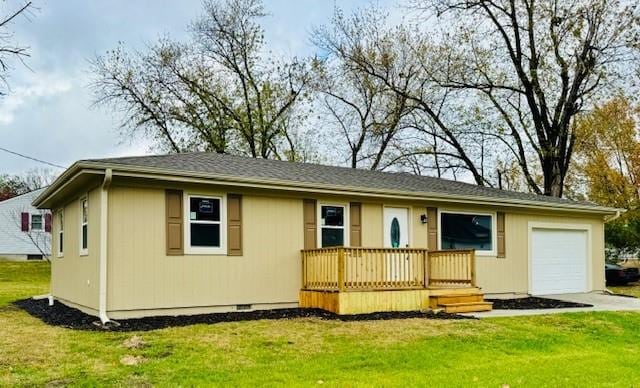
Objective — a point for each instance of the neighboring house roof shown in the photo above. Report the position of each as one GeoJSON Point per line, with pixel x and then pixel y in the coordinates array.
{"type": "Point", "coordinates": [12, 240]}
{"type": "Point", "coordinates": [231, 168]}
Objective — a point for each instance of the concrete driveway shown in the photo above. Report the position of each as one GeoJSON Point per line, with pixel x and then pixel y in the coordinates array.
{"type": "Point", "coordinates": [600, 302]}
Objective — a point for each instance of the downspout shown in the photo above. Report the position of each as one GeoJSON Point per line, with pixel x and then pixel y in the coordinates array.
{"type": "Point", "coordinates": [615, 217]}
{"type": "Point", "coordinates": [104, 225]}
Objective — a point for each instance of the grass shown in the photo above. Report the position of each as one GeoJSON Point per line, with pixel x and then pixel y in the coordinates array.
{"type": "Point", "coordinates": [632, 289]}
{"type": "Point", "coordinates": [580, 349]}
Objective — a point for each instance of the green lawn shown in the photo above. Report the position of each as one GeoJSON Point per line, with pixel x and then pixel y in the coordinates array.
{"type": "Point", "coordinates": [585, 349]}
{"type": "Point", "coordinates": [630, 289]}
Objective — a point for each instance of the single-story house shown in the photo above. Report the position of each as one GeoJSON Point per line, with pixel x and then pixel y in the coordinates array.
{"type": "Point", "coordinates": [202, 232]}
{"type": "Point", "coordinates": [25, 231]}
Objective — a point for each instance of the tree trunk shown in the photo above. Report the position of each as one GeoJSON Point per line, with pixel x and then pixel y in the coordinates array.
{"type": "Point", "coordinates": [554, 175]}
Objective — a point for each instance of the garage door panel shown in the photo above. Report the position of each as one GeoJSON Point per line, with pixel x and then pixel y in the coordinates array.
{"type": "Point", "coordinates": [558, 261]}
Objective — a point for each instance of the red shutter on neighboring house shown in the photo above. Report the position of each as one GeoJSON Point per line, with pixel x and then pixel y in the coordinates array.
{"type": "Point", "coordinates": [24, 222]}
{"type": "Point", "coordinates": [47, 222]}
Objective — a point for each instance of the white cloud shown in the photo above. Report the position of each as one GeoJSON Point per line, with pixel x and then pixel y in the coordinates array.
{"type": "Point", "coordinates": [35, 88]}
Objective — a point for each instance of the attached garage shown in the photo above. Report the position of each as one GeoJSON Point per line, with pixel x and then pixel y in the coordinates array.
{"type": "Point", "coordinates": [559, 259]}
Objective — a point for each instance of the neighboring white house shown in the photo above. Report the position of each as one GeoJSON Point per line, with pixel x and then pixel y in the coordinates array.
{"type": "Point", "coordinates": [25, 232]}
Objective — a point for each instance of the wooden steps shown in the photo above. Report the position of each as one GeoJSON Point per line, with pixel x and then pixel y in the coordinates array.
{"type": "Point", "coordinates": [471, 307]}
{"type": "Point", "coordinates": [460, 303]}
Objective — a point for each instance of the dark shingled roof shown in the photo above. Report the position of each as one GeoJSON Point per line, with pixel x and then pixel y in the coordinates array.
{"type": "Point", "coordinates": [306, 173]}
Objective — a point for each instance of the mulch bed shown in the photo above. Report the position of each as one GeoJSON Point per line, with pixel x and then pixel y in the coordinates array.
{"type": "Point", "coordinates": [64, 316]}
{"type": "Point", "coordinates": [533, 303]}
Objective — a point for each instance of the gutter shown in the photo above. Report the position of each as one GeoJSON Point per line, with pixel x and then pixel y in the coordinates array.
{"type": "Point", "coordinates": [615, 216]}
{"type": "Point", "coordinates": [104, 225]}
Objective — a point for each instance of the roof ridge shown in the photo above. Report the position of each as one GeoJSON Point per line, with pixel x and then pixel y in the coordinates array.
{"type": "Point", "coordinates": [242, 166]}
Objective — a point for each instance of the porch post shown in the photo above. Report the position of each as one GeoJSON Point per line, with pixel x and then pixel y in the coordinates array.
{"type": "Point", "coordinates": [473, 267]}
{"type": "Point", "coordinates": [425, 256]}
{"type": "Point", "coordinates": [341, 269]}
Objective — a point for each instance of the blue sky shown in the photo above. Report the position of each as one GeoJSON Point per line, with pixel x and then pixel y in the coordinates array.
{"type": "Point", "coordinates": [48, 113]}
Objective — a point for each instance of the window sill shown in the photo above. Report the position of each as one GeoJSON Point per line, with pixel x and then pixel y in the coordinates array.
{"type": "Point", "coordinates": [84, 253]}
{"type": "Point", "coordinates": [489, 254]}
{"type": "Point", "coordinates": [60, 256]}
{"type": "Point", "coordinates": [205, 252]}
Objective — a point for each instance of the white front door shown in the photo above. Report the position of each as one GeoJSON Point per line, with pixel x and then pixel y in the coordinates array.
{"type": "Point", "coordinates": [558, 261]}
{"type": "Point", "coordinates": [396, 235]}
{"type": "Point", "coordinates": [396, 227]}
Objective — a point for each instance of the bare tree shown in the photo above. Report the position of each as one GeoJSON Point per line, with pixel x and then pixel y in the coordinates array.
{"type": "Point", "coordinates": [9, 50]}
{"type": "Point", "coordinates": [362, 110]}
{"type": "Point", "coordinates": [533, 66]}
{"type": "Point", "coordinates": [496, 82]}
{"type": "Point", "coordinates": [399, 59]}
{"type": "Point", "coordinates": [219, 92]}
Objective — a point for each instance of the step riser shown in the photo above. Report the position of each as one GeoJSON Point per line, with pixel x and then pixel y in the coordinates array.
{"type": "Point", "coordinates": [467, 309]}
{"type": "Point", "coordinates": [440, 300]}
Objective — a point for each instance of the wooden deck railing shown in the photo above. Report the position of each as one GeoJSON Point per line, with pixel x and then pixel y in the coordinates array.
{"type": "Point", "coordinates": [350, 269]}
{"type": "Point", "coordinates": [452, 268]}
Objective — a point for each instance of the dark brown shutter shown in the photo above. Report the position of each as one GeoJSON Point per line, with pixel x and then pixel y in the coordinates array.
{"type": "Point", "coordinates": [24, 222]}
{"type": "Point", "coordinates": [500, 234]}
{"type": "Point", "coordinates": [355, 218]}
{"type": "Point", "coordinates": [432, 228]}
{"type": "Point", "coordinates": [234, 225]}
{"type": "Point", "coordinates": [47, 222]}
{"type": "Point", "coordinates": [309, 219]}
{"type": "Point", "coordinates": [174, 215]}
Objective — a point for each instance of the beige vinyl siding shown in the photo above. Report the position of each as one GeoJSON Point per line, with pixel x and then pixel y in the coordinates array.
{"type": "Point", "coordinates": [373, 228]}
{"type": "Point", "coordinates": [372, 225]}
{"type": "Point", "coordinates": [495, 275]}
{"type": "Point", "coordinates": [511, 274]}
{"type": "Point", "coordinates": [143, 280]}
{"type": "Point", "coordinates": [419, 235]}
{"type": "Point", "coordinates": [142, 276]}
{"type": "Point", "coordinates": [74, 277]}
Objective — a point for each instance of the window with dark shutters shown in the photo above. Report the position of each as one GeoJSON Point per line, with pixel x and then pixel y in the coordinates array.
{"type": "Point", "coordinates": [47, 222]}
{"type": "Point", "coordinates": [24, 222]}
{"type": "Point", "coordinates": [174, 222]}
{"type": "Point", "coordinates": [309, 223]}
{"type": "Point", "coordinates": [355, 218]}
{"type": "Point", "coordinates": [432, 228]}
{"type": "Point", "coordinates": [234, 225]}
{"type": "Point", "coordinates": [500, 234]}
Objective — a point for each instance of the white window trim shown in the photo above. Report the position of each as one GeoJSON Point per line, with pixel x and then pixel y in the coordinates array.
{"type": "Point", "coordinates": [84, 251]}
{"type": "Point", "coordinates": [31, 228]}
{"type": "Point", "coordinates": [60, 233]}
{"type": "Point", "coordinates": [494, 233]}
{"type": "Point", "coordinates": [346, 222]}
{"type": "Point", "coordinates": [188, 249]}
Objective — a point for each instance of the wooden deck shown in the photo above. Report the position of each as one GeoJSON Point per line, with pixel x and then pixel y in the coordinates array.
{"type": "Point", "coordinates": [363, 280]}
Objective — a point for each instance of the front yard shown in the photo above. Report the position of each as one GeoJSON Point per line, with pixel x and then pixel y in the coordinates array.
{"type": "Point", "coordinates": [630, 289]}
{"type": "Point", "coordinates": [581, 349]}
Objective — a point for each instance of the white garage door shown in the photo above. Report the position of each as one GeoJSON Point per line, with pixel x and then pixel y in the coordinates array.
{"type": "Point", "coordinates": [558, 261]}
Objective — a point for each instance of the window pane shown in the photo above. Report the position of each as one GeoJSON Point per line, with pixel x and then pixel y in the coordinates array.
{"type": "Point", "coordinates": [84, 211]}
{"type": "Point", "coordinates": [61, 220]}
{"type": "Point", "coordinates": [332, 237]}
{"type": "Point", "coordinates": [461, 231]}
{"type": "Point", "coordinates": [84, 237]}
{"type": "Point", "coordinates": [332, 216]}
{"type": "Point", "coordinates": [61, 242]}
{"type": "Point", "coordinates": [36, 221]}
{"type": "Point", "coordinates": [204, 209]}
{"type": "Point", "coordinates": [205, 235]}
